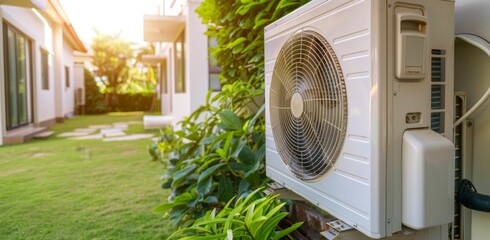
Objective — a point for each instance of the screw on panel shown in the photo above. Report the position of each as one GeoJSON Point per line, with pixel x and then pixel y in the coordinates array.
{"type": "Point", "coordinates": [469, 124]}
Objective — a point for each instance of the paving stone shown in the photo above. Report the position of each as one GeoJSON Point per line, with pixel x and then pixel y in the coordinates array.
{"type": "Point", "coordinates": [122, 126]}
{"type": "Point", "coordinates": [110, 130]}
{"type": "Point", "coordinates": [43, 134]}
{"type": "Point", "coordinates": [114, 134]}
{"type": "Point", "coordinates": [87, 130]}
{"type": "Point", "coordinates": [73, 134]}
{"type": "Point", "coordinates": [129, 137]}
{"type": "Point", "coordinates": [93, 136]}
{"type": "Point", "coordinates": [100, 126]}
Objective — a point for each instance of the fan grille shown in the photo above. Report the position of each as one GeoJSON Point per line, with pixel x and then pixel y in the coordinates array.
{"type": "Point", "coordinates": [308, 105]}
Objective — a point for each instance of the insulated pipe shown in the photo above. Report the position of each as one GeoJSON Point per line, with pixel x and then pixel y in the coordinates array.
{"type": "Point", "coordinates": [470, 198]}
{"type": "Point", "coordinates": [483, 45]}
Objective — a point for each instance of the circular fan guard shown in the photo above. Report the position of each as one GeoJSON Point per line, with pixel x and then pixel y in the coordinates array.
{"type": "Point", "coordinates": [308, 105]}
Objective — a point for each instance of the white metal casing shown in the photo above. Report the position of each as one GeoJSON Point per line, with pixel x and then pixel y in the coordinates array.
{"type": "Point", "coordinates": [428, 179]}
{"type": "Point", "coordinates": [363, 188]}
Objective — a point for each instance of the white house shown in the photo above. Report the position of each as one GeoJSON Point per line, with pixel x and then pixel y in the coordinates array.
{"type": "Point", "coordinates": [182, 57]}
{"type": "Point", "coordinates": [37, 67]}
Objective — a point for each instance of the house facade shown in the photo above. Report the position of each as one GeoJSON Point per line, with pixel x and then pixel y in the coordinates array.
{"type": "Point", "coordinates": [182, 57]}
{"type": "Point", "coordinates": [37, 67]}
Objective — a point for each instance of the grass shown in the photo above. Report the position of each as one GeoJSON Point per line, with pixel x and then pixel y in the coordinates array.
{"type": "Point", "coordinates": [85, 189]}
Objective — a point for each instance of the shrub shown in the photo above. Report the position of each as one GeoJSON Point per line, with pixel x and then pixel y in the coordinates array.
{"type": "Point", "coordinates": [249, 219]}
{"type": "Point", "coordinates": [219, 151]}
{"type": "Point", "coordinates": [210, 161]}
{"type": "Point", "coordinates": [94, 100]}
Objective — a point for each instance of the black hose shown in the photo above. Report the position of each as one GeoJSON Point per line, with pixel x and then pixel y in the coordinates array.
{"type": "Point", "coordinates": [470, 198]}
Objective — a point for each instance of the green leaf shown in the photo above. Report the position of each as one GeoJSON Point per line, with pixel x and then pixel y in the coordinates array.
{"type": "Point", "coordinates": [204, 186]}
{"type": "Point", "coordinates": [236, 42]}
{"type": "Point", "coordinates": [229, 120]}
{"type": "Point", "coordinates": [225, 189]}
{"type": "Point", "coordinates": [207, 140]}
{"type": "Point", "coordinates": [211, 199]}
{"type": "Point", "coordinates": [243, 187]}
{"type": "Point", "coordinates": [283, 233]}
{"type": "Point", "coordinates": [183, 173]}
{"type": "Point", "coordinates": [210, 171]}
{"type": "Point", "coordinates": [247, 156]}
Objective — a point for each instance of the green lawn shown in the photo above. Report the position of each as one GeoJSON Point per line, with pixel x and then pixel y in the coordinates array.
{"type": "Point", "coordinates": [85, 189]}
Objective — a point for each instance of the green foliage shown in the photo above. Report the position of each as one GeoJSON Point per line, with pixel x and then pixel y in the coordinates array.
{"type": "Point", "coordinates": [238, 27]}
{"type": "Point", "coordinates": [110, 57]}
{"type": "Point", "coordinates": [250, 218]}
{"type": "Point", "coordinates": [209, 161]}
{"type": "Point", "coordinates": [94, 100]}
{"type": "Point", "coordinates": [218, 152]}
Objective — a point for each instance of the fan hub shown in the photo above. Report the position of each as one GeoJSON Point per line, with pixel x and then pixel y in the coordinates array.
{"type": "Point", "coordinates": [297, 105]}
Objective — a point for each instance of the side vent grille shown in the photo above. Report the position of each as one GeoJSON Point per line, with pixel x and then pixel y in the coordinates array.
{"type": "Point", "coordinates": [438, 78]}
{"type": "Point", "coordinates": [458, 174]}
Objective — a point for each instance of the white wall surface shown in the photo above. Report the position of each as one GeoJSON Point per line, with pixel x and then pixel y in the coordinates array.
{"type": "Point", "coordinates": [180, 101]}
{"type": "Point", "coordinates": [68, 92]}
{"type": "Point", "coordinates": [39, 30]}
{"type": "Point", "coordinates": [197, 65]}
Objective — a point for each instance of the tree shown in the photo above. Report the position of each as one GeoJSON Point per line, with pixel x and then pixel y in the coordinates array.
{"type": "Point", "coordinates": [111, 54]}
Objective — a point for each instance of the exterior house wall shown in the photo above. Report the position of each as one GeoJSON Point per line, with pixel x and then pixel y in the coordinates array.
{"type": "Point", "coordinates": [58, 71]}
{"type": "Point", "coordinates": [48, 33]}
{"type": "Point", "coordinates": [196, 64]}
{"type": "Point", "coordinates": [79, 83]}
{"type": "Point", "coordinates": [68, 92]}
{"type": "Point", "coordinates": [39, 30]}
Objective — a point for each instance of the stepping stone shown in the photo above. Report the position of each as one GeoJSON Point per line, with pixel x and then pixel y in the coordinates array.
{"type": "Point", "coordinates": [73, 134]}
{"type": "Point", "coordinates": [114, 134]}
{"type": "Point", "coordinates": [94, 136]}
{"type": "Point", "coordinates": [44, 134]}
{"type": "Point", "coordinates": [110, 130]}
{"type": "Point", "coordinates": [87, 130]}
{"type": "Point", "coordinates": [100, 126]}
{"type": "Point", "coordinates": [122, 126]}
{"type": "Point", "coordinates": [129, 137]}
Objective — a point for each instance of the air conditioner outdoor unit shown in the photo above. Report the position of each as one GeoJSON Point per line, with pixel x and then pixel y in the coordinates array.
{"type": "Point", "coordinates": [359, 110]}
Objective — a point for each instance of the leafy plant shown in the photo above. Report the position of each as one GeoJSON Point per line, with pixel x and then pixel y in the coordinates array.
{"type": "Point", "coordinates": [250, 218]}
{"type": "Point", "coordinates": [218, 152]}
{"type": "Point", "coordinates": [94, 100]}
{"type": "Point", "coordinates": [209, 162]}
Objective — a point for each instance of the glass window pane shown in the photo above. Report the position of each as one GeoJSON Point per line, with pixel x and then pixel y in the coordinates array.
{"type": "Point", "coordinates": [180, 64]}
{"type": "Point", "coordinates": [67, 76]}
{"type": "Point", "coordinates": [44, 70]}
{"type": "Point", "coordinates": [12, 119]}
{"type": "Point", "coordinates": [214, 82]}
{"type": "Point", "coordinates": [22, 78]}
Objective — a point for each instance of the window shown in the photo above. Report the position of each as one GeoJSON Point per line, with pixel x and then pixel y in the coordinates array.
{"type": "Point", "coordinates": [214, 68]}
{"type": "Point", "coordinates": [17, 48]}
{"type": "Point", "coordinates": [44, 69]}
{"type": "Point", "coordinates": [180, 63]}
{"type": "Point", "coordinates": [67, 76]}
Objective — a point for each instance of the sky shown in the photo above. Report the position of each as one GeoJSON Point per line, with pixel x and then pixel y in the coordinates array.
{"type": "Point", "coordinates": [109, 17]}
